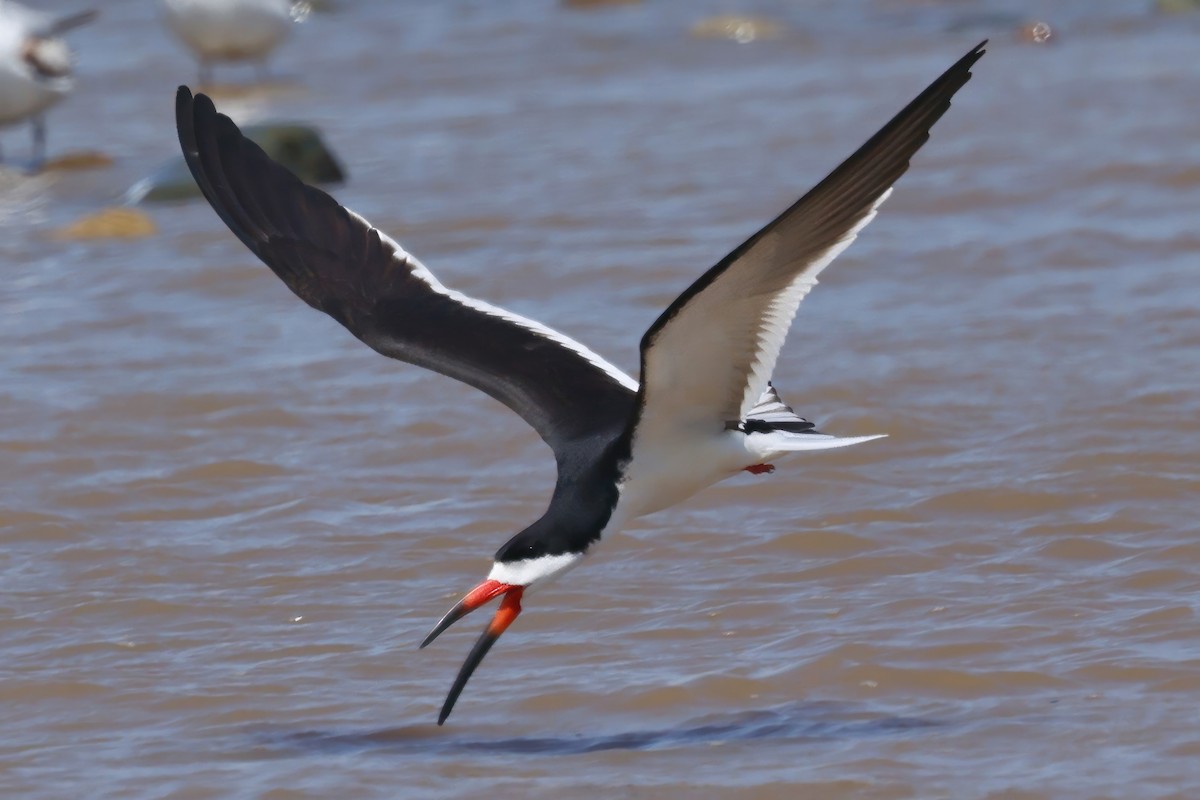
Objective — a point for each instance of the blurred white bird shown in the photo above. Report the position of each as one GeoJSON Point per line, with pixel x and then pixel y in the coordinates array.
{"type": "Point", "coordinates": [231, 30]}
{"type": "Point", "coordinates": [35, 66]}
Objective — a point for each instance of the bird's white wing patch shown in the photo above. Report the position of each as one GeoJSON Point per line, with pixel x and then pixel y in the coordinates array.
{"type": "Point", "coordinates": [777, 314]}
{"type": "Point", "coordinates": [711, 363]}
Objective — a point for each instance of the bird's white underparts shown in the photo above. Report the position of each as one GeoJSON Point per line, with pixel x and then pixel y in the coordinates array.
{"type": "Point", "coordinates": [703, 407]}
{"type": "Point", "coordinates": [230, 30]}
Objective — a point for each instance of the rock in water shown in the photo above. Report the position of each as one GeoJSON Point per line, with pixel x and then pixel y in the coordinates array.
{"type": "Point", "coordinates": [300, 148]}
{"type": "Point", "coordinates": [109, 223]}
{"type": "Point", "coordinates": [1177, 6]}
{"type": "Point", "coordinates": [78, 160]}
{"type": "Point", "coordinates": [738, 28]}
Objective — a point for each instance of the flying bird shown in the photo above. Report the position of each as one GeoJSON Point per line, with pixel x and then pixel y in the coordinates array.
{"type": "Point", "coordinates": [704, 409]}
{"type": "Point", "coordinates": [35, 66]}
{"type": "Point", "coordinates": [230, 30]}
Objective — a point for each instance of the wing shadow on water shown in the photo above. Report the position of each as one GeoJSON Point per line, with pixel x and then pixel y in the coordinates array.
{"type": "Point", "coordinates": [800, 722]}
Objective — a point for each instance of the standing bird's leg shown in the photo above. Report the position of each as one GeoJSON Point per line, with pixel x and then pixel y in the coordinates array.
{"type": "Point", "coordinates": [39, 141]}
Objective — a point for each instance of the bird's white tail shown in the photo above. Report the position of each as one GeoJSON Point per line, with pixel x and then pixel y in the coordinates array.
{"type": "Point", "coordinates": [772, 443]}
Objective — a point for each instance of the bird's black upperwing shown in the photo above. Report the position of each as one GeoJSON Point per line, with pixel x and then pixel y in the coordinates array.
{"type": "Point", "coordinates": [337, 263]}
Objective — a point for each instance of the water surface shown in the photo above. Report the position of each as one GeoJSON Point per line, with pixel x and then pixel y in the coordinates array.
{"type": "Point", "coordinates": [227, 524]}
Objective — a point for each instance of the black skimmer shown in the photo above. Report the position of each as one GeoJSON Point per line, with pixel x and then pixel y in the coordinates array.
{"type": "Point", "coordinates": [704, 409]}
{"type": "Point", "coordinates": [231, 30]}
{"type": "Point", "coordinates": [35, 66]}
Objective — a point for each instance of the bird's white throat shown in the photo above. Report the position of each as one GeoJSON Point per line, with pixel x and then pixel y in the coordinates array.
{"type": "Point", "coordinates": [530, 571]}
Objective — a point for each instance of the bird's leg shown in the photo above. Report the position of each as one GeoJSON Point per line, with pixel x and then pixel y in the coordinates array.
{"type": "Point", "coordinates": [760, 469]}
{"type": "Point", "coordinates": [39, 141]}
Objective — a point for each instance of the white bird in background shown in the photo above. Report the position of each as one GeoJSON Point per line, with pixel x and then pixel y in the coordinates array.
{"type": "Point", "coordinates": [35, 66]}
{"type": "Point", "coordinates": [231, 30]}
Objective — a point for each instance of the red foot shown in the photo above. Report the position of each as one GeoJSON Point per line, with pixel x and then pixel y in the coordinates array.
{"type": "Point", "coordinates": [760, 469]}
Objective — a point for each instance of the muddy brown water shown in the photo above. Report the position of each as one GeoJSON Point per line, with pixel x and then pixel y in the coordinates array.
{"type": "Point", "coordinates": [226, 524]}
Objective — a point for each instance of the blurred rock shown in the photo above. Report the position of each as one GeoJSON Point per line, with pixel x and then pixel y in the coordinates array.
{"type": "Point", "coordinates": [297, 147]}
{"type": "Point", "coordinates": [83, 159]}
{"type": "Point", "coordinates": [109, 223]}
{"type": "Point", "coordinates": [300, 148]}
{"type": "Point", "coordinates": [1177, 6]}
{"type": "Point", "coordinates": [738, 28]}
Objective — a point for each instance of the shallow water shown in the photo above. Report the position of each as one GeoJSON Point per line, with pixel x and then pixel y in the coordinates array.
{"type": "Point", "coordinates": [226, 524]}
